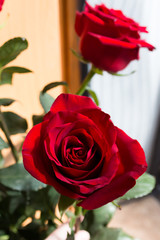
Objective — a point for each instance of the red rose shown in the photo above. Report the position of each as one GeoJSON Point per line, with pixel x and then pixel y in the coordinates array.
{"type": "Point", "coordinates": [79, 151]}
{"type": "Point", "coordinates": [1, 4]}
{"type": "Point", "coordinates": [108, 39]}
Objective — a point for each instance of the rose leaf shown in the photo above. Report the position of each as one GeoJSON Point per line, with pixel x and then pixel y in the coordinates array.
{"type": "Point", "coordinates": [7, 74]}
{"type": "Point", "coordinates": [144, 185]}
{"type": "Point", "coordinates": [46, 101]}
{"type": "Point", "coordinates": [98, 218]}
{"type": "Point", "coordinates": [64, 203]}
{"type": "Point", "coordinates": [6, 101]}
{"type": "Point", "coordinates": [53, 85]}
{"type": "Point", "coordinates": [80, 58]}
{"type": "Point", "coordinates": [3, 144]}
{"type": "Point", "coordinates": [122, 75]}
{"type": "Point", "coordinates": [112, 234]}
{"type": "Point", "coordinates": [11, 49]}
{"type": "Point", "coordinates": [1, 164]}
{"type": "Point", "coordinates": [93, 95]}
{"type": "Point", "coordinates": [17, 178]}
{"type": "Point", "coordinates": [37, 119]}
{"type": "Point", "coordinates": [15, 123]}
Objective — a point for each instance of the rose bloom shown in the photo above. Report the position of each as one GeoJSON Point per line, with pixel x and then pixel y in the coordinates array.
{"type": "Point", "coordinates": [77, 150]}
{"type": "Point", "coordinates": [1, 4]}
{"type": "Point", "coordinates": [108, 38]}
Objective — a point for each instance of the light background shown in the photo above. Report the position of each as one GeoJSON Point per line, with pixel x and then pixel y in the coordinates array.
{"type": "Point", "coordinates": [134, 102]}
{"type": "Point", "coordinates": [39, 22]}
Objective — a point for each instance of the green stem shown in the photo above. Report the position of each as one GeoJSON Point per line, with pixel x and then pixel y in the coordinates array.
{"type": "Point", "coordinates": [6, 132]}
{"type": "Point", "coordinates": [116, 205]}
{"type": "Point", "coordinates": [87, 79]}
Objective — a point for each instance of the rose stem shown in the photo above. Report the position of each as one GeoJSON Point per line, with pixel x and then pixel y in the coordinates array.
{"type": "Point", "coordinates": [79, 219]}
{"type": "Point", "coordinates": [77, 224]}
{"type": "Point", "coordinates": [86, 81]}
{"type": "Point", "coordinates": [6, 132]}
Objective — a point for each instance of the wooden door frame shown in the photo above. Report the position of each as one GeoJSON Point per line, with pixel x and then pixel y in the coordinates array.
{"type": "Point", "coordinates": [69, 40]}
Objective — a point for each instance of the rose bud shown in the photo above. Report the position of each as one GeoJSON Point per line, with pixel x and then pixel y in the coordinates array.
{"type": "Point", "coordinates": [109, 39]}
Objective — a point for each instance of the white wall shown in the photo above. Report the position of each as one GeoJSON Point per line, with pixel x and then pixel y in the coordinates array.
{"type": "Point", "coordinates": [133, 102]}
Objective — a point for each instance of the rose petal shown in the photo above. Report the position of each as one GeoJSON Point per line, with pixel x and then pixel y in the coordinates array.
{"type": "Point", "coordinates": [34, 162]}
{"type": "Point", "coordinates": [37, 163]}
{"type": "Point", "coordinates": [103, 122]}
{"type": "Point", "coordinates": [109, 54]}
{"type": "Point", "coordinates": [71, 102]}
{"type": "Point", "coordinates": [115, 189]}
{"type": "Point", "coordinates": [131, 154]}
{"type": "Point", "coordinates": [90, 23]}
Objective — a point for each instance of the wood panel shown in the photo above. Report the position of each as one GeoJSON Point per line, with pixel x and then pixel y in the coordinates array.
{"type": "Point", "coordinates": [71, 68]}
{"type": "Point", "coordinates": [39, 22]}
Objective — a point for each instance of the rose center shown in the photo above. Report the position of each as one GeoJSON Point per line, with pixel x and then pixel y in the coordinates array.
{"type": "Point", "coordinates": [80, 153]}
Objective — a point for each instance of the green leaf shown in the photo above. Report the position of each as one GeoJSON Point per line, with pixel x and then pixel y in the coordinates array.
{"type": "Point", "coordinates": [112, 234]}
{"type": "Point", "coordinates": [72, 222]}
{"type": "Point", "coordinates": [53, 196]}
{"type": "Point", "coordinates": [17, 178]}
{"type": "Point", "coordinates": [16, 69]}
{"type": "Point", "coordinates": [4, 237]}
{"type": "Point", "coordinates": [15, 123]}
{"type": "Point", "coordinates": [80, 58]}
{"type": "Point", "coordinates": [124, 236]}
{"type": "Point", "coordinates": [3, 144]}
{"type": "Point", "coordinates": [96, 219]}
{"type": "Point", "coordinates": [107, 233]}
{"type": "Point", "coordinates": [93, 95]}
{"type": "Point", "coordinates": [53, 85]}
{"type": "Point", "coordinates": [15, 202]}
{"type": "Point", "coordinates": [37, 119]}
{"type": "Point", "coordinates": [144, 185]}
{"type": "Point", "coordinates": [1, 160]}
{"type": "Point", "coordinates": [7, 74]}
{"type": "Point", "coordinates": [6, 101]}
{"type": "Point", "coordinates": [46, 101]}
{"type": "Point", "coordinates": [64, 203]}
{"type": "Point", "coordinates": [121, 75]}
{"type": "Point", "coordinates": [11, 49]}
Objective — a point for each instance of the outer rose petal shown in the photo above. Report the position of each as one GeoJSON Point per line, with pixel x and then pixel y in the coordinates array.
{"type": "Point", "coordinates": [131, 154]}
{"type": "Point", "coordinates": [133, 165]}
{"type": "Point", "coordinates": [109, 54]}
{"type": "Point", "coordinates": [118, 187]}
{"type": "Point", "coordinates": [32, 155]}
{"type": "Point", "coordinates": [69, 102]}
